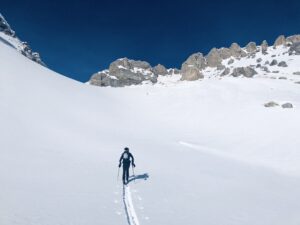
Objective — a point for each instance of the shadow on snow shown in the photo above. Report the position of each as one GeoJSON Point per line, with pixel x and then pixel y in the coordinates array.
{"type": "Point", "coordinates": [144, 176]}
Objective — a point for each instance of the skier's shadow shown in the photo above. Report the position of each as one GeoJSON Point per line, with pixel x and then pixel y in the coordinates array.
{"type": "Point", "coordinates": [144, 176]}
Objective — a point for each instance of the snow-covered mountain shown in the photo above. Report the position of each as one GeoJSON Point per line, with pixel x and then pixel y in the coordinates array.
{"type": "Point", "coordinates": [207, 152]}
{"type": "Point", "coordinates": [8, 37]}
{"type": "Point", "coordinates": [281, 60]}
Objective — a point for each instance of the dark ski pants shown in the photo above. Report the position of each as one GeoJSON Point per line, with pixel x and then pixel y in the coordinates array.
{"type": "Point", "coordinates": [125, 172]}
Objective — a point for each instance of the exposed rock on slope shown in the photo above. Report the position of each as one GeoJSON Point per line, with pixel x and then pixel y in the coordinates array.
{"type": "Point", "coordinates": [191, 68]}
{"type": "Point", "coordinates": [279, 41]}
{"type": "Point", "coordinates": [160, 70]}
{"type": "Point", "coordinates": [244, 71]}
{"type": "Point", "coordinates": [236, 51]}
{"type": "Point", "coordinates": [295, 49]}
{"type": "Point", "coordinates": [213, 59]}
{"type": "Point", "coordinates": [264, 47]}
{"type": "Point", "coordinates": [125, 72]}
{"type": "Point", "coordinates": [235, 61]}
{"type": "Point", "coordinates": [8, 36]}
{"type": "Point", "coordinates": [251, 47]}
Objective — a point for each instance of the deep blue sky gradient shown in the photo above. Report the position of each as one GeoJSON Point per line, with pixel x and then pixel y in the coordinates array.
{"type": "Point", "coordinates": [79, 38]}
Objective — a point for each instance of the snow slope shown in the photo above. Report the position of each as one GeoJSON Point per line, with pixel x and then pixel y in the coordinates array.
{"type": "Point", "coordinates": [207, 152]}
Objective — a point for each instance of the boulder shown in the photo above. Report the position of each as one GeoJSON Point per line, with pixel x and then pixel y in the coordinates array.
{"type": "Point", "coordinates": [191, 73]}
{"type": "Point", "coordinates": [271, 104]}
{"type": "Point", "coordinates": [191, 68]}
{"type": "Point", "coordinates": [213, 58]}
{"type": "Point", "coordinates": [287, 105]}
{"type": "Point", "coordinates": [159, 70]}
{"type": "Point", "coordinates": [258, 60]}
{"type": "Point", "coordinates": [296, 73]}
{"type": "Point", "coordinates": [274, 62]}
{"type": "Point", "coordinates": [282, 64]}
{"type": "Point", "coordinates": [295, 49]}
{"type": "Point", "coordinates": [264, 47]}
{"type": "Point", "coordinates": [225, 72]}
{"type": "Point", "coordinates": [244, 71]}
{"type": "Point", "coordinates": [265, 68]}
{"type": "Point", "coordinates": [230, 61]}
{"type": "Point", "coordinates": [251, 47]}
{"type": "Point", "coordinates": [236, 51]}
{"type": "Point", "coordinates": [282, 78]}
{"type": "Point", "coordinates": [280, 41]}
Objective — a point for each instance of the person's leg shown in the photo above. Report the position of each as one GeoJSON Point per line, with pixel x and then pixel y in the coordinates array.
{"type": "Point", "coordinates": [127, 174]}
{"type": "Point", "coordinates": [124, 172]}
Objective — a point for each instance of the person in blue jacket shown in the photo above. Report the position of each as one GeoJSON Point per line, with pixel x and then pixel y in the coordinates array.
{"type": "Point", "coordinates": [125, 159]}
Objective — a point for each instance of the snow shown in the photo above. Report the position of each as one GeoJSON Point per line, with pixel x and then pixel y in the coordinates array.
{"type": "Point", "coordinates": [213, 154]}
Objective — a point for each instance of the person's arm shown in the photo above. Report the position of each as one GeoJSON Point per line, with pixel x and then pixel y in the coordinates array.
{"type": "Point", "coordinates": [132, 162]}
{"type": "Point", "coordinates": [120, 161]}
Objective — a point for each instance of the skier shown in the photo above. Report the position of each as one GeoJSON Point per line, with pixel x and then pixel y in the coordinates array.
{"type": "Point", "coordinates": [125, 159]}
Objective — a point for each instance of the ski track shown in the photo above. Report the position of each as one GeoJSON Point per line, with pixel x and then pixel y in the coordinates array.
{"type": "Point", "coordinates": [129, 208]}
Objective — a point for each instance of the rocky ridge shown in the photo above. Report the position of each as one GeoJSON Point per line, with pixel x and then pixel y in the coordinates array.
{"type": "Point", "coordinates": [249, 61]}
{"type": "Point", "coordinates": [8, 36]}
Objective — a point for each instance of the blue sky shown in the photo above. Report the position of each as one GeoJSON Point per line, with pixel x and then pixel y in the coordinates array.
{"type": "Point", "coordinates": [79, 38]}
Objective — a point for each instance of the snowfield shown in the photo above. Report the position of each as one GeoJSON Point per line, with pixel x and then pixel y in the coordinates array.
{"type": "Point", "coordinates": [207, 152]}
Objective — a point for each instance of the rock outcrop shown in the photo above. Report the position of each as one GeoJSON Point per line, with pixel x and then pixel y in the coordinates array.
{"type": "Point", "coordinates": [191, 68]}
{"type": "Point", "coordinates": [264, 47]}
{"type": "Point", "coordinates": [191, 73]}
{"type": "Point", "coordinates": [243, 71]}
{"type": "Point", "coordinates": [125, 72]}
{"type": "Point", "coordinates": [238, 62]}
{"type": "Point", "coordinates": [224, 53]}
{"type": "Point", "coordinates": [251, 47]}
{"type": "Point", "coordinates": [5, 28]}
{"type": "Point", "coordinates": [103, 79]}
{"type": "Point", "coordinates": [295, 49]}
{"type": "Point", "coordinates": [22, 47]}
{"type": "Point", "coordinates": [293, 39]}
{"type": "Point", "coordinates": [225, 72]}
{"type": "Point", "coordinates": [160, 70]}
{"type": "Point", "coordinates": [280, 41]}
{"type": "Point", "coordinates": [213, 58]}
{"type": "Point", "coordinates": [236, 51]}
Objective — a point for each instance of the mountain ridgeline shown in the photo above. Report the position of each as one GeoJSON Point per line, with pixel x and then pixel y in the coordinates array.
{"type": "Point", "coordinates": [9, 37]}
{"type": "Point", "coordinates": [233, 61]}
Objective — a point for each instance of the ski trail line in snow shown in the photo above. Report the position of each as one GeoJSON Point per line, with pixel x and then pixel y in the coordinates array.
{"type": "Point", "coordinates": [129, 209]}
